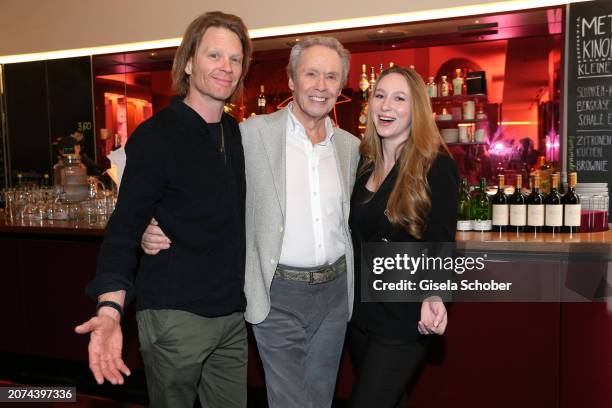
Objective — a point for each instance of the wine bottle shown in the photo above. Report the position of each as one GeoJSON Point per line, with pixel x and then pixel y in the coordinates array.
{"type": "Point", "coordinates": [261, 101]}
{"type": "Point", "coordinates": [499, 204]}
{"type": "Point", "coordinates": [464, 222]}
{"type": "Point", "coordinates": [480, 209]}
{"type": "Point", "coordinates": [571, 206]}
{"type": "Point", "coordinates": [553, 219]}
{"type": "Point", "coordinates": [535, 207]}
{"type": "Point", "coordinates": [518, 207]}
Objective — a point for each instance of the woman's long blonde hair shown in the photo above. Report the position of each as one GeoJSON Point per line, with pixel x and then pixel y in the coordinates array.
{"type": "Point", "coordinates": [409, 203]}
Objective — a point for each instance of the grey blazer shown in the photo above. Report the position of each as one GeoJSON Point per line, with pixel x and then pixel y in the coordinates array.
{"type": "Point", "coordinates": [264, 143]}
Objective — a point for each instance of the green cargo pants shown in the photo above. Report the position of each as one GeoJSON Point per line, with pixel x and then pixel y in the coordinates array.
{"type": "Point", "coordinates": [187, 355]}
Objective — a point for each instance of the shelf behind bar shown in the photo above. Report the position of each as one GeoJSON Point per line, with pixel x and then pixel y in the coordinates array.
{"type": "Point", "coordinates": [455, 98]}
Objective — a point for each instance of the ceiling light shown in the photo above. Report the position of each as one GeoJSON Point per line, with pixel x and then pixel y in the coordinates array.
{"type": "Point", "coordinates": [333, 25]}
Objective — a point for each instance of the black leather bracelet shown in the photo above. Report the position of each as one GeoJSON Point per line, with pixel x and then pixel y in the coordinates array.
{"type": "Point", "coordinates": [114, 305]}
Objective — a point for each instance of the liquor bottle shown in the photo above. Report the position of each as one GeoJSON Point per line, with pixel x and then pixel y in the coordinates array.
{"type": "Point", "coordinates": [432, 88]}
{"type": "Point", "coordinates": [571, 206]}
{"type": "Point", "coordinates": [499, 204]}
{"type": "Point", "coordinates": [381, 68]}
{"type": "Point", "coordinates": [364, 84]}
{"type": "Point", "coordinates": [372, 79]}
{"type": "Point", "coordinates": [391, 64]}
{"type": "Point", "coordinates": [464, 222]}
{"type": "Point", "coordinates": [553, 209]}
{"type": "Point", "coordinates": [457, 82]}
{"type": "Point", "coordinates": [261, 101]}
{"type": "Point", "coordinates": [480, 209]}
{"type": "Point", "coordinates": [535, 207]}
{"type": "Point", "coordinates": [518, 207]}
{"type": "Point", "coordinates": [444, 89]}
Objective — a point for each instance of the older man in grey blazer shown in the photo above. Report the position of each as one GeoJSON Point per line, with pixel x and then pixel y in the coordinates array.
{"type": "Point", "coordinates": [300, 172]}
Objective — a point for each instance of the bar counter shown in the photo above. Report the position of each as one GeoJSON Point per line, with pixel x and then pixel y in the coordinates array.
{"type": "Point", "coordinates": [469, 239]}
{"type": "Point", "coordinates": [48, 227]}
{"type": "Point", "coordinates": [533, 238]}
{"type": "Point", "coordinates": [495, 354]}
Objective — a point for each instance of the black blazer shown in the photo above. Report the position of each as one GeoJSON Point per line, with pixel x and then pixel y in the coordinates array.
{"type": "Point", "coordinates": [369, 223]}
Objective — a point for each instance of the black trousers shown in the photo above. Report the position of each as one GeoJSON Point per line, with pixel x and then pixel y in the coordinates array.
{"type": "Point", "coordinates": [384, 368]}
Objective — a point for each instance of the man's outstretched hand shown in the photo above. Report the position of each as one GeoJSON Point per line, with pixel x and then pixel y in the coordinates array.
{"type": "Point", "coordinates": [105, 346]}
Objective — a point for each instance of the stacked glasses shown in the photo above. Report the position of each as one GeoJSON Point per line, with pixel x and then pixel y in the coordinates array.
{"type": "Point", "coordinates": [35, 204]}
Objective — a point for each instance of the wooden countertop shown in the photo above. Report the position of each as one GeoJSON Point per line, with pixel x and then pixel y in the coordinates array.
{"type": "Point", "coordinates": [530, 242]}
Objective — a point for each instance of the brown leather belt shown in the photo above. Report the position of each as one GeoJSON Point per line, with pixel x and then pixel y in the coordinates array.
{"type": "Point", "coordinates": [312, 276]}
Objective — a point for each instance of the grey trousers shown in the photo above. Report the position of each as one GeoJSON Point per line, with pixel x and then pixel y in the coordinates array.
{"type": "Point", "coordinates": [300, 342]}
{"type": "Point", "coordinates": [186, 355]}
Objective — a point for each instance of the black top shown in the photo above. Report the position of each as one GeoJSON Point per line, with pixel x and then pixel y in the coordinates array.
{"type": "Point", "coordinates": [369, 223]}
{"type": "Point", "coordinates": [180, 171]}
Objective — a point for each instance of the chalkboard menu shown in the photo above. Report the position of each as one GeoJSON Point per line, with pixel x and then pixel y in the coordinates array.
{"type": "Point", "coordinates": [589, 79]}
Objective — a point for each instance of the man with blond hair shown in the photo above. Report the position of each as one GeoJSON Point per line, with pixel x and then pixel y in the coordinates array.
{"type": "Point", "coordinates": [185, 167]}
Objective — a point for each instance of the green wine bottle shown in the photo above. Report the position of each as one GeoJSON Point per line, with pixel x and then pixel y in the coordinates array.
{"type": "Point", "coordinates": [464, 222]}
{"type": "Point", "coordinates": [480, 208]}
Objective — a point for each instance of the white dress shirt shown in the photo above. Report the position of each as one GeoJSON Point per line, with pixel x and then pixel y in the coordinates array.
{"type": "Point", "coordinates": [313, 233]}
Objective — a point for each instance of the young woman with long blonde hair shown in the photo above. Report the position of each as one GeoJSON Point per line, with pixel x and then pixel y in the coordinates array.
{"type": "Point", "coordinates": [406, 191]}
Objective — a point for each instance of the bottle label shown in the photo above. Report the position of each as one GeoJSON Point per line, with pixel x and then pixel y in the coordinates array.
{"type": "Point", "coordinates": [432, 90]}
{"type": "Point", "coordinates": [518, 215]}
{"type": "Point", "coordinates": [444, 89]}
{"type": "Point", "coordinates": [464, 225]}
{"type": "Point", "coordinates": [572, 215]}
{"type": "Point", "coordinates": [500, 214]}
{"type": "Point", "coordinates": [261, 102]}
{"type": "Point", "coordinates": [482, 225]}
{"type": "Point", "coordinates": [457, 85]}
{"type": "Point", "coordinates": [554, 215]}
{"type": "Point", "coordinates": [535, 215]}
